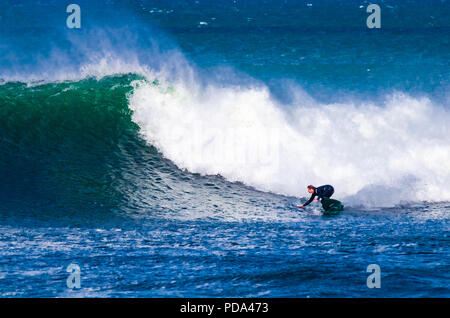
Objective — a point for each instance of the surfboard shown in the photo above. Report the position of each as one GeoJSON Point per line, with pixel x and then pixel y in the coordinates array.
{"type": "Point", "coordinates": [331, 206]}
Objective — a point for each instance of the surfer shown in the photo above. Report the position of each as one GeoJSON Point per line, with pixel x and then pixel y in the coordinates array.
{"type": "Point", "coordinates": [325, 191]}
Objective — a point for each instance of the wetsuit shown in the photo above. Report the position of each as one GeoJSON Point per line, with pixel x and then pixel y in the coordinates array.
{"type": "Point", "coordinates": [325, 191]}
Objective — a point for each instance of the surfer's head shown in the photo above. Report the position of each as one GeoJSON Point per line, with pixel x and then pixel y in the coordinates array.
{"type": "Point", "coordinates": [311, 188]}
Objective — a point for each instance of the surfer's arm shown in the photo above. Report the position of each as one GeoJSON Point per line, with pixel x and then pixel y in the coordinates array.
{"type": "Point", "coordinates": [310, 199]}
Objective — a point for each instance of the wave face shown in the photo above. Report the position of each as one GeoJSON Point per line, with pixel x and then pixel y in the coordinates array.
{"type": "Point", "coordinates": [65, 143]}
{"type": "Point", "coordinates": [71, 150]}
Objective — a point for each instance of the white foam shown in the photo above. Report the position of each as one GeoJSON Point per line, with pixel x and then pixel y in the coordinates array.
{"type": "Point", "coordinates": [373, 154]}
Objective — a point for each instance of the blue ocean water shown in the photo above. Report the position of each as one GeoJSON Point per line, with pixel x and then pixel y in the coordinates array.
{"type": "Point", "coordinates": [164, 145]}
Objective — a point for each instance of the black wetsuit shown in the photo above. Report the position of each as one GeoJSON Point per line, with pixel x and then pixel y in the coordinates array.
{"type": "Point", "coordinates": [325, 191]}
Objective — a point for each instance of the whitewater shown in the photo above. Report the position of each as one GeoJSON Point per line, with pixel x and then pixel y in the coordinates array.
{"type": "Point", "coordinates": [374, 154]}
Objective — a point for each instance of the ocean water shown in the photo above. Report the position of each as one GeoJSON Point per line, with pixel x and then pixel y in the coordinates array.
{"type": "Point", "coordinates": [164, 145]}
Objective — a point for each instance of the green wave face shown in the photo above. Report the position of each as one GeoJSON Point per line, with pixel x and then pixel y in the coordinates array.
{"type": "Point", "coordinates": [53, 115]}
{"type": "Point", "coordinates": [68, 143]}
{"type": "Point", "coordinates": [70, 150]}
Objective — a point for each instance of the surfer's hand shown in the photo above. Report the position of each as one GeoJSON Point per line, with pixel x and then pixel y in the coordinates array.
{"type": "Point", "coordinates": [300, 206]}
{"type": "Point", "coordinates": [315, 200]}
